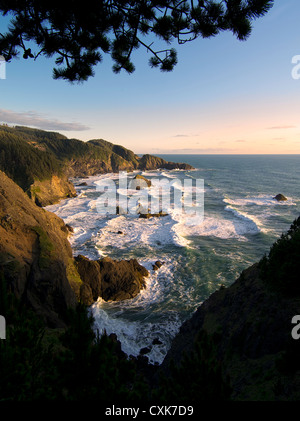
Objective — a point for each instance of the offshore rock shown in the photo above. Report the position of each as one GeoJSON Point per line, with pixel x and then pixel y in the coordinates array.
{"type": "Point", "coordinates": [280, 198]}
{"type": "Point", "coordinates": [151, 215]}
{"type": "Point", "coordinates": [139, 182]}
{"type": "Point", "coordinates": [158, 264]}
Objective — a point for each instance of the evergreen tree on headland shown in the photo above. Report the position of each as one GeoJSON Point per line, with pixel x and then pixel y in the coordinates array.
{"type": "Point", "coordinates": [78, 35]}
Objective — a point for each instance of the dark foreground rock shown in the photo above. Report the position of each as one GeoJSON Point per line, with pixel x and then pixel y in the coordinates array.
{"type": "Point", "coordinates": [249, 327]}
{"type": "Point", "coordinates": [110, 279]}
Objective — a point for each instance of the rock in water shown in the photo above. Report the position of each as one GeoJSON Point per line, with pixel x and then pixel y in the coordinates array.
{"type": "Point", "coordinates": [139, 182]}
{"type": "Point", "coordinates": [151, 215]}
{"type": "Point", "coordinates": [157, 265]}
{"type": "Point", "coordinates": [110, 279]}
{"type": "Point", "coordinates": [280, 198]}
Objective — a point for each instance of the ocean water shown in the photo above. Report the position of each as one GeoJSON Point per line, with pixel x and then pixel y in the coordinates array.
{"type": "Point", "coordinates": [241, 221]}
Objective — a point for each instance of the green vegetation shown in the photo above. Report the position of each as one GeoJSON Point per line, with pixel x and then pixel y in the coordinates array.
{"type": "Point", "coordinates": [280, 269]}
{"type": "Point", "coordinates": [23, 162]}
{"type": "Point", "coordinates": [46, 247]}
{"type": "Point", "coordinates": [29, 154]}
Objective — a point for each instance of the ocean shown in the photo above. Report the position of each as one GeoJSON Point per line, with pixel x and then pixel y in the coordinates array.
{"type": "Point", "coordinates": [241, 221]}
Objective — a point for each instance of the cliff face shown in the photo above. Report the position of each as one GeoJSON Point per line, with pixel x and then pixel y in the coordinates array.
{"type": "Point", "coordinates": [47, 192]}
{"type": "Point", "coordinates": [110, 279]}
{"type": "Point", "coordinates": [250, 327]}
{"type": "Point", "coordinates": [35, 255]}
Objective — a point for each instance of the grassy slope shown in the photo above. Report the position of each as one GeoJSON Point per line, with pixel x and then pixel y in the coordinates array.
{"type": "Point", "coordinates": [28, 154]}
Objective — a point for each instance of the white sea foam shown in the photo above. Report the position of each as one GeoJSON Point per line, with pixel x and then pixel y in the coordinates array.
{"type": "Point", "coordinates": [125, 231]}
{"type": "Point", "coordinates": [219, 227]}
{"type": "Point", "coordinates": [135, 335]}
{"type": "Point", "coordinates": [262, 200]}
{"type": "Point", "coordinates": [146, 174]}
{"type": "Point", "coordinates": [252, 222]}
{"type": "Point", "coordinates": [138, 327]}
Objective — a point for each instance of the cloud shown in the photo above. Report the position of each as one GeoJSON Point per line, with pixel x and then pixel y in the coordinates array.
{"type": "Point", "coordinates": [281, 127]}
{"type": "Point", "coordinates": [32, 118]}
{"type": "Point", "coordinates": [240, 141]}
{"type": "Point", "coordinates": [186, 135]}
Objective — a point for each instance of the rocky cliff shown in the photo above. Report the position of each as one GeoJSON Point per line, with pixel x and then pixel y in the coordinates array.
{"type": "Point", "coordinates": [110, 279]}
{"type": "Point", "coordinates": [247, 330]}
{"type": "Point", "coordinates": [35, 255]}
{"type": "Point", "coordinates": [41, 162]}
{"type": "Point", "coordinates": [150, 162]}
{"type": "Point", "coordinates": [38, 266]}
{"type": "Point", "coordinates": [50, 191]}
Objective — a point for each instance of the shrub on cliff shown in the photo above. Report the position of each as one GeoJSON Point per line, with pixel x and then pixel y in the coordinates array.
{"type": "Point", "coordinates": [281, 267]}
{"type": "Point", "coordinates": [23, 162]}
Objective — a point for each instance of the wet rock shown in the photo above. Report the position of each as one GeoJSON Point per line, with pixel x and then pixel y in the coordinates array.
{"type": "Point", "coordinates": [111, 279]}
{"type": "Point", "coordinates": [157, 265]}
{"type": "Point", "coordinates": [139, 182]}
{"type": "Point", "coordinates": [280, 198]}
{"type": "Point", "coordinates": [151, 215]}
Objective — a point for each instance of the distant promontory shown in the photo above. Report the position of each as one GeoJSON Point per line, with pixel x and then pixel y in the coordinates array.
{"type": "Point", "coordinates": [42, 162]}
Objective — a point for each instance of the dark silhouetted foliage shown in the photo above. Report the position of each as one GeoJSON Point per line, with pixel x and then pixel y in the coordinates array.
{"type": "Point", "coordinates": [198, 377]}
{"type": "Point", "coordinates": [74, 365]}
{"type": "Point", "coordinates": [78, 35]}
{"type": "Point", "coordinates": [281, 267]}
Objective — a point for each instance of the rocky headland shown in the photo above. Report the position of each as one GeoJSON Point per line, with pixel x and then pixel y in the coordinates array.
{"type": "Point", "coordinates": [46, 161]}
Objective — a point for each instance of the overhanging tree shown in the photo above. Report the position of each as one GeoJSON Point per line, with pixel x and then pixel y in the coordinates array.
{"type": "Point", "coordinates": [77, 34]}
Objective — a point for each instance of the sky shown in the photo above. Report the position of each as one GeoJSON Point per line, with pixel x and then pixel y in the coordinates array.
{"type": "Point", "coordinates": [223, 97]}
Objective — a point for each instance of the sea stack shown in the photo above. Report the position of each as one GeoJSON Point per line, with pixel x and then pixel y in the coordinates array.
{"type": "Point", "coordinates": [280, 198]}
